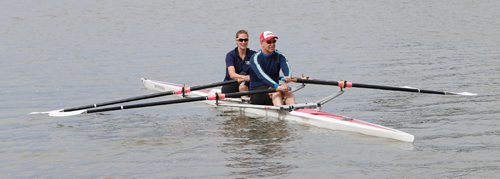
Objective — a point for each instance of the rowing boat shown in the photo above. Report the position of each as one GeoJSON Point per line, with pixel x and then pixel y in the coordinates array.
{"type": "Point", "coordinates": [305, 113]}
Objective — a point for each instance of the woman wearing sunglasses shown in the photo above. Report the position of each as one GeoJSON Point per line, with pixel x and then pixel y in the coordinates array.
{"type": "Point", "coordinates": [266, 65]}
{"type": "Point", "coordinates": [238, 64]}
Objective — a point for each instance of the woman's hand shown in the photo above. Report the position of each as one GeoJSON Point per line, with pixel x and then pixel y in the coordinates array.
{"type": "Point", "coordinates": [246, 77]}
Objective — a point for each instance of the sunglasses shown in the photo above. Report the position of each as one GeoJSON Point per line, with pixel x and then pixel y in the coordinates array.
{"type": "Point", "coordinates": [271, 41]}
{"type": "Point", "coordinates": [242, 40]}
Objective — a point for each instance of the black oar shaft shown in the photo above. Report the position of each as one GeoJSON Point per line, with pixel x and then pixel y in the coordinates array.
{"type": "Point", "coordinates": [319, 82]}
{"type": "Point", "coordinates": [121, 101]}
{"type": "Point", "coordinates": [245, 93]}
{"type": "Point", "coordinates": [346, 84]}
{"type": "Point", "coordinates": [393, 88]}
{"type": "Point", "coordinates": [213, 85]}
{"type": "Point", "coordinates": [182, 100]}
{"type": "Point", "coordinates": [166, 93]}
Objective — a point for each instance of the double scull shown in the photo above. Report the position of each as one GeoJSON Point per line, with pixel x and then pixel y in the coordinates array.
{"type": "Point", "coordinates": [304, 113]}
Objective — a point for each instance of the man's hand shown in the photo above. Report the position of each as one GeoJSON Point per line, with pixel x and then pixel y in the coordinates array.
{"type": "Point", "coordinates": [284, 88]}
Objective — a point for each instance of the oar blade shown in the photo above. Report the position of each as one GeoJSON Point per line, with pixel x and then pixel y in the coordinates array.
{"type": "Point", "coordinates": [45, 112]}
{"type": "Point", "coordinates": [65, 114]}
{"type": "Point", "coordinates": [463, 93]}
{"type": "Point", "coordinates": [136, 98]}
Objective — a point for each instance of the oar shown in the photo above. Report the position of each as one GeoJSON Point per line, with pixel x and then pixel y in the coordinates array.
{"type": "Point", "coordinates": [345, 84]}
{"type": "Point", "coordinates": [183, 90]}
{"type": "Point", "coordinates": [217, 96]}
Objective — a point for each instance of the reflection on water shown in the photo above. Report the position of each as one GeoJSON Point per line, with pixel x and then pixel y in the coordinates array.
{"type": "Point", "coordinates": [255, 146]}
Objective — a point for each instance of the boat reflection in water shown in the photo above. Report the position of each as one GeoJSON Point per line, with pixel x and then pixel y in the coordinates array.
{"type": "Point", "coordinates": [255, 146]}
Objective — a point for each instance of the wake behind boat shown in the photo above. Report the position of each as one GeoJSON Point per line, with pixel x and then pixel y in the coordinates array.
{"type": "Point", "coordinates": [304, 113]}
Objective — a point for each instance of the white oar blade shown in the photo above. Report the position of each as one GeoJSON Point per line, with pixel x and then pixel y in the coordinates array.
{"type": "Point", "coordinates": [46, 112]}
{"type": "Point", "coordinates": [64, 114]}
{"type": "Point", "coordinates": [466, 94]}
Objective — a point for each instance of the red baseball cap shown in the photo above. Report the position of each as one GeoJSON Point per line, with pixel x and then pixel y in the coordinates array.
{"type": "Point", "coordinates": [267, 35]}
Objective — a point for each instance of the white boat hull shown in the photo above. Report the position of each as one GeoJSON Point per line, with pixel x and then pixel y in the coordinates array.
{"type": "Point", "coordinates": [304, 116]}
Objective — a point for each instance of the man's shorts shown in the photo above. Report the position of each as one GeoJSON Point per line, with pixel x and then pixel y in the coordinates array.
{"type": "Point", "coordinates": [262, 99]}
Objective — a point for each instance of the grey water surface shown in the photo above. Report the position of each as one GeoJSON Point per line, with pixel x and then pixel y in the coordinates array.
{"type": "Point", "coordinates": [57, 54]}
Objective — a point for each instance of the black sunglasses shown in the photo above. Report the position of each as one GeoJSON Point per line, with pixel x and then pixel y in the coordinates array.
{"type": "Point", "coordinates": [242, 40]}
{"type": "Point", "coordinates": [271, 41]}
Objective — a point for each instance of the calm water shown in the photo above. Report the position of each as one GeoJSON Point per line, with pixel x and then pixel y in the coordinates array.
{"type": "Point", "coordinates": [56, 54]}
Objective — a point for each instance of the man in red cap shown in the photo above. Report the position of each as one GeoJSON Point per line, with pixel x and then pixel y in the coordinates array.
{"type": "Point", "coordinates": [266, 65]}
